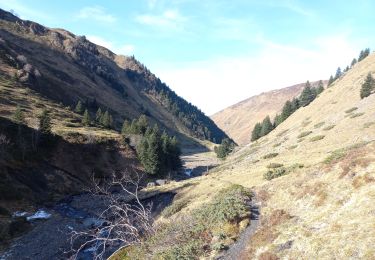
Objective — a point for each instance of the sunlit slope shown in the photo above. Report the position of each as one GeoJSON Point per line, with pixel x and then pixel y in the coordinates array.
{"type": "Point", "coordinates": [323, 208]}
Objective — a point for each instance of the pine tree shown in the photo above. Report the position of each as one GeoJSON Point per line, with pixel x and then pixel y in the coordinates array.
{"type": "Point", "coordinates": [295, 104]}
{"type": "Point", "coordinates": [320, 88]}
{"type": "Point", "coordinates": [338, 73]}
{"type": "Point", "coordinates": [150, 152]}
{"type": "Point", "coordinates": [307, 95]}
{"type": "Point", "coordinates": [79, 107]}
{"type": "Point", "coordinates": [266, 126]}
{"type": "Point", "coordinates": [331, 80]}
{"type": "Point", "coordinates": [125, 127]}
{"type": "Point", "coordinates": [111, 122]}
{"type": "Point", "coordinates": [277, 120]}
{"type": "Point", "coordinates": [105, 120]}
{"type": "Point", "coordinates": [255, 134]}
{"type": "Point", "coordinates": [354, 61]}
{"type": "Point", "coordinates": [86, 120]}
{"type": "Point", "coordinates": [142, 124]}
{"type": "Point", "coordinates": [368, 86]}
{"type": "Point", "coordinates": [98, 115]}
{"type": "Point", "coordinates": [287, 110]}
{"type": "Point", "coordinates": [18, 116]}
{"type": "Point", "coordinates": [45, 126]}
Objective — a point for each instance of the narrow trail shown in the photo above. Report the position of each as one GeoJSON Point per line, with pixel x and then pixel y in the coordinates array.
{"type": "Point", "coordinates": [235, 250]}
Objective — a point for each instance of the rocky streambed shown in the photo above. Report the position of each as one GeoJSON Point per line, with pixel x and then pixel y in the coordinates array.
{"type": "Point", "coordinates": [50, 236]}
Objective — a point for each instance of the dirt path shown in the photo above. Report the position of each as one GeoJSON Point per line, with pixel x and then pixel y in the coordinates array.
{"type": "Point", "coordinates": [235, 250]}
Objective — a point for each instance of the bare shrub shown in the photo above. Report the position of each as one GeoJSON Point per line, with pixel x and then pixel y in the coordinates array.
{"type": "Point", "coordinates": [124, 221]}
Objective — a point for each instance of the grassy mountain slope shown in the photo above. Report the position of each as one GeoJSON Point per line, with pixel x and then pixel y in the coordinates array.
{"type": "Point", "coordinates": [238, 120]}
{"type": "Point", "coordinates": [322, 207]}
{"type": "Point", "coordinates": [67, 68]}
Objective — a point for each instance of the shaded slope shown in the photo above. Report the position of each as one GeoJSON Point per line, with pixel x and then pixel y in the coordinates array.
{"type": "Point", "coordinates": [67, 68]}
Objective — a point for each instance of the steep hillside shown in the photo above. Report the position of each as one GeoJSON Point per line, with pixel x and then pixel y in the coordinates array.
{"type": "Point", "coordinates": [238, 120]}
{"type": "Point", "coordinates": [67, 68]}
{"type": "Point", "coordinates": [313, 177]}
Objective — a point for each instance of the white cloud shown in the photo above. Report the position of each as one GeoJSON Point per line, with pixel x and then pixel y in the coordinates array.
{"type": "Point", "coordinates": [125, 49]}
{"type": "Point", "coordinates": [217, 83]}
{"type": "Point", "coordinates": [97, 13]}
{"type": "Point", "coordinates": [170, 19]}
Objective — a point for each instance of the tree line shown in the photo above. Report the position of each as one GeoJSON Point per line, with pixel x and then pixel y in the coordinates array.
{"type": "Point", "coordinates": [308, 94]}
{"type": "Point", "coordinates": [103, 119]}
{"type": "Point", "coordinates": [158, 152]}
{"type": "Point", "coordinates": [362, 55]}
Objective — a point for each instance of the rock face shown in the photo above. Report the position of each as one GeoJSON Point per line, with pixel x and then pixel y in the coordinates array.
{"type": "Point", "coordinates": [239, 120]}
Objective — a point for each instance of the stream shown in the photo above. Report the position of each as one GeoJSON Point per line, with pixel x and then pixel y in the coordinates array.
{"type": "Point", "coordinates": [52, 228]}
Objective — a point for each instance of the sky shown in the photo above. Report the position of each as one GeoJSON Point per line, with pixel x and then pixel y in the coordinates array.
{"type": "Point", "coordinates": [215, 53]}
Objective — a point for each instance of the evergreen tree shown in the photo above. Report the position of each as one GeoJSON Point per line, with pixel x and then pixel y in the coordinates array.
{"type": "Point", "coordinates": [338, 73]}
{"type": "Point", "coordinates": [354, 61]}
{"type": "Point", "coordinates": [45, 126]}
{"type": "Point", "coordinates": [98, 115]}
{"type": "Point", "coordinates": [295, 104]}
{"type": "Point", "coordinates": [125, 128]}
{"type": "Point", "coordinates": [142, 124]}
{"type": "Point", "coordinates": [331, 80]}
{"type": "Point", "coordinates": [346, 69]}
{"type": "Point", "coordinates": [150, 152]}
{"type": "Point", "coordinates": [307, 95]}
{"type": "Point", "coordinates": [266, 126]}
{"type": "Point", "coordinates": [225, 148]}
{"type": "Point", "coordinates": [86, 120]}
{"type": "Point", "coordinates": [287, 110]}
{"type": "Point", "coordinates": [79, 107]}
{"type": "Point", "coordinates": [277, 120]}
{"type": "Point", "coordinates": [368, 86]}
{"type": "Point", "coordinates": [18, 116]}
{"type": "Point", "coordinates": [255, 134]}
{"type": "Point", "coordinates": [363, 54]}
{"type": "Point", "coordinates": [111, 122]}
{"type": "Point", "coordinates": [106, 120]}
{"type": "Point", "coordinates": [320, 88]}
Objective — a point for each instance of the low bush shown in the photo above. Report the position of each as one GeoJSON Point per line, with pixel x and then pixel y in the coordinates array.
{"type": "Point", "coordinates": [272, 174]}
{"type": "Point", "coordinates": [274, 165]}
{"type": "Point", "coordinates": [276, 145]}
{"type": "Point", "coordinates": [318, 125]}
{"type": "Point", "coordinates": [292, 147]}
{"type": "Point", "coordinates": [351, 110]}
{"type": "Point", "coordinates": [316, 138]}
{"type": "Point", "coordinates": [356, 115]}
{"type": "Point", "coordinates": [174, 208]}
{"type": "Point", "coordinates": [270, 155]}
{"type": "Point", "coordinates": [303, 134]}
{"type": "Point", "coordinates": [327, 128]}
{"type": "Point", "coordinates": [335, 156]}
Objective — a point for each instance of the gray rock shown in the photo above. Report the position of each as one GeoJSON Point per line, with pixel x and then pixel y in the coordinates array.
{"type": "Point", "coordinates": [161, 182]}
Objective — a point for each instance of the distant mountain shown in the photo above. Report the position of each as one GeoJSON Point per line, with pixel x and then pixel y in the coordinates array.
{"type": "Point", "coordinates": [67, 68]}
{"type": "Point", "coordinates": [238, 120]}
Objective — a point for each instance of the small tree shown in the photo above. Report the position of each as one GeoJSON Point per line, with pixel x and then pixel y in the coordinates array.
{"type": "Point", "coordinates": [331, 80]}
{"type": "Point", "coordinates": [225, 148]}
{"type": "Point", "coordinates": [266, 126]}
{"type": "Point", "coordinates": [18, 116]}
{"type": "Point", "coordinates": [255, 134]}
{"type": "Point", "coordinates": [98, 115]}
{"type": "Point", "coordinates": [295, 104]}
{"type": "Point", "coordinates": [368, 86]}
{"type": "Point", "coordinates": [287, 110]}
{"type": "Point", "coordinates": [106, 120]}
{"type": "Point", "coordinates": [125, 128]}
{"type": "Point", "coordinates": [79, 107]}
{"type": "Point", "coordinates": [320, 88]}
{"type": "Point", "coordinates": [45, 126]}
{"type": "Point", "coordinates": [277, 120]}
{"type": "Point", "coordinates": [338, 73]}
{"type": "Point", "coordinates": [86, 120]}
{"type": "Point", "coordinates": [307, 95]}
{"type": "Point", "coordinates": [354, 61]}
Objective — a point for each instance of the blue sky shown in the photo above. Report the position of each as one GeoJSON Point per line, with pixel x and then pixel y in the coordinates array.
{"type": "Point", "coordinates": [214, 52]}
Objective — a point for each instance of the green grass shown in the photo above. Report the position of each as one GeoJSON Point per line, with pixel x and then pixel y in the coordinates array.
{"type": "Point", "coordinates": [316, 138]}
{"type": "Point", "coordinates": [270, 155]}
{"type": "Point", "coordinates": [303, 134]}
{"type": "Point", "coordinates": [351, 110]}
{"type": "Point", "coordinates": [327, 128]}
